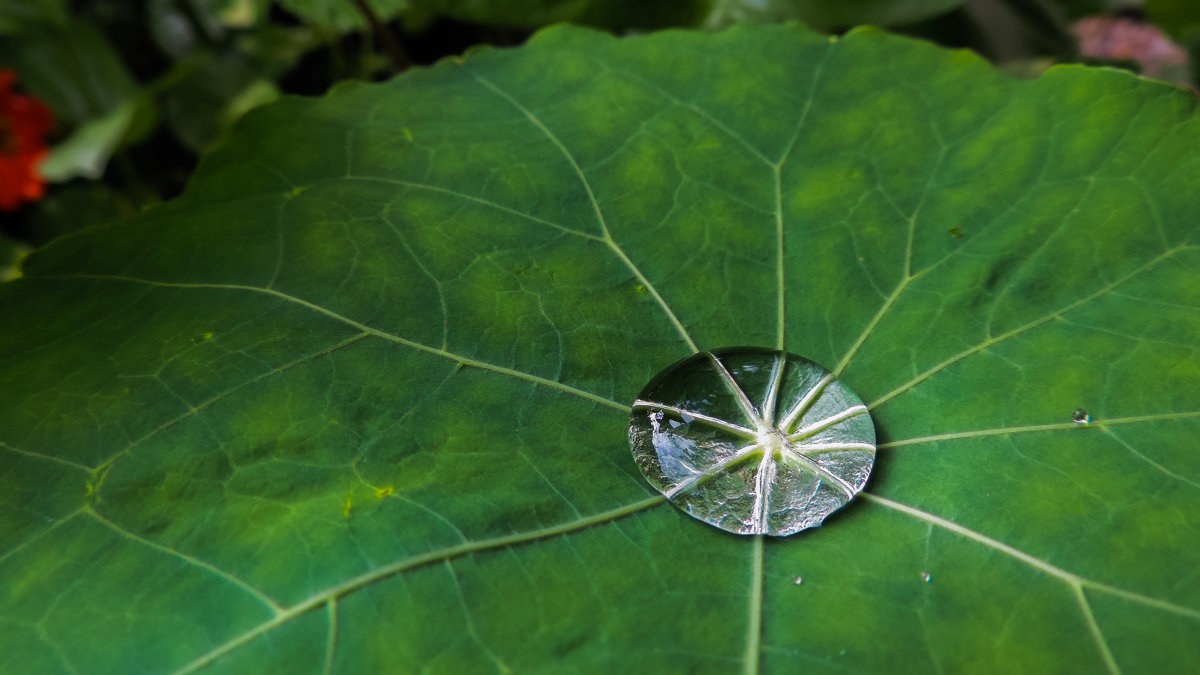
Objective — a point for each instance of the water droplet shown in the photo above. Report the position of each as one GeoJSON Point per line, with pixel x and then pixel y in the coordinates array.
{"type": "Point", "coordinates": [1081, 416]}
{"type": "Point", "coordinates": [955, 232]}
{"type": "Point", "coordinates": [926, 577]}
{"type": "Point", "coordinates": [797, 581]}
{"type": "Point", "coordinates": [758, 441]}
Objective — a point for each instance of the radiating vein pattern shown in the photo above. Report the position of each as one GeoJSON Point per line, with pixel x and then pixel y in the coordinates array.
{"type": "Point", "coordinates": [714, 433]}
{"type": "Point", "coordinates": [356, 400]}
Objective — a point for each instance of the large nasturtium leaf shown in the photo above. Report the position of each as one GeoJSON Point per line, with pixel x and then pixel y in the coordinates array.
{"type": "Point", "coordinates": [357, 402]}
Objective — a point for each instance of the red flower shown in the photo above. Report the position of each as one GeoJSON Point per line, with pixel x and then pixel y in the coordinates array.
{"type": "Point", "coordinates": [24, 123]}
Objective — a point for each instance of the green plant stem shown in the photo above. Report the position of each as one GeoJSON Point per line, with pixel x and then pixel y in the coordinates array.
{"type": "Point", "coordinates": [385, 36]}
{"type": "Point", "coordinates": [201, 28]}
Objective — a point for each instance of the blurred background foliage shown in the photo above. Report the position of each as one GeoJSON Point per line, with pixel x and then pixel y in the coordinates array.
{"type": "Point", "coordinates": [141, 89]}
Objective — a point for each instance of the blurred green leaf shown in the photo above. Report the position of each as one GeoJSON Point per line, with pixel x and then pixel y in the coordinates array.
{"type": "Point", "coordinates": [11, 253]}
{"type": "Point", "coordinates": [207, 91]}
{"type": "Point", "coordinates": [85, 153]}
{"type": "Point", "coordinates": [74, 206]}
{"type": "Point", "coordinates": [74, 69]}
{"type": "Point", "coordinates": [1179, 18]}
{"type": "Point", "coordinates": [828, 14]}
{"type": "Point", "coordinates": [337, 15]}
{"type": "Point", "coordinates": [17, 16]}
{"type": "Point", "coordinates": [1075, 9]}
{"type": "Point", "coordinates": [652, 14]}
{"type": "Point", "coordinates": [182, 26]}
{"type": "Point", "coordinates": [609, 14]}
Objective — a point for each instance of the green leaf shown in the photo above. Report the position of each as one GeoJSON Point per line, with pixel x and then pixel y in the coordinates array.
{"type": "Point", "coordinates": [609, 14]}
{"type": "Point", "coordinates": [68, 208]}
{"type": "Point", "coordinates": [11, 253]}
{"type": "Point", "coordinates": [358, 401]}
{"type": "Point", "coordinates": [640, 14]}
{"type": "Point", "coordinates": [829, 14]}
{"type": "Point", "coordinates": [212, 92]}
{"type": "Point", "coordinates": [86, 151]}
{"type": "Point", "coordinates": [339, 15]}
{"type": "Point", "coordinates": [1179, 18]}
{"type": "Point", "coordinates": [73, 68]}
{"type": "Point", "coordinates": [17, 16]}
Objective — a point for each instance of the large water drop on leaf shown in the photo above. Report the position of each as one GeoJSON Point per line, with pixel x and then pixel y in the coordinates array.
{"type": "Point", "coordinates": [752, 440]}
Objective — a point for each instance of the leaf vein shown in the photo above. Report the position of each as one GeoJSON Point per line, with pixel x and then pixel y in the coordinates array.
{"type": "Point", "coordinates": [443, 554]}
{"type": "Point", "coordinates": [1105, 290]}
{"type": "Point", "coordinates": [124, 533]}
{"type": "Point", "coordinates": [587, 186]}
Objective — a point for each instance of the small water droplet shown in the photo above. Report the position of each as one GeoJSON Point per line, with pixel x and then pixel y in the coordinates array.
{"type": "Point", "coordinates": [1081, 416]}
{"type": "Point", "coordinates": [752, 440]}
{"type": "Point", "coordinates": [797, 581]}
{"type": "Point", "coordinates": [926, 577]}
{"type": "Point", "coordinates": [955, 232]}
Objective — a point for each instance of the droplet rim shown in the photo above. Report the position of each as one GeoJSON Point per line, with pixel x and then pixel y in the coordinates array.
{"type": "Point", "coordinates": [786, 449]}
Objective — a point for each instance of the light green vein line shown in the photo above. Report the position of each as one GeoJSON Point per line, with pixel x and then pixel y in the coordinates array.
{"type": "Point", "coordinates": [907, 276]}
{"type": "Point", "coordinates": [1036, 563]}
{"type": "Point", "coordinates": [1106, 289]}
{"type": "Point", "coordinates": [1143, 600]}
{"type": "Point", "coordinates": [714, 422]}
{"type": "Point", "coordinates": [466, 361]}
{"type": "Point", "coordinates": [587, 186]}
{"type": "Point", "coordinates": [973, 536]}
{"type": "Point", "coordinates": [331, 608]}
{"type": "Point", "coordinates": [102, 469]}
{"type": "Point", "coordinates": [448, 553]}
{"type": "Point", "coordinates": [699, 478]}
{"type": "Point", "coordinates": [780, 280]}
{"type": "Point", "coordinates": [686, 105]}
{"type": "Point", "coordinates": [501, 667]}
{"type": "Point", "coordinates": [736, 389]}
{"type": "Point", "coordinates": [1136, 453]}
{"type": "Point", "coordinates": [866, 332]}
{"type": "Point", "coordinates": [777, 170]}
{"type": "Point", "coordinates": [195, 562]}
{"type": "Point", "coordinates": [37, 537]}
{"type": "Point", "coordinates": [1094, 628]}
{"type": "Point", "coordinates": [1058, 426]}
{"type": "Point", "coordinates": [478, 200]}
{"type": "Point", "coordinates": [821, 425]}
{"type": "Point", "coordinates": [48, 458]}
{"type": "Point", "coordinates": [754, 630]}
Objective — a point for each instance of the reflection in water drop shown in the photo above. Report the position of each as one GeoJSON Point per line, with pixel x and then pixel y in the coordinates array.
{"type": "Point", "coordinates": [798, 581]}
{"type": "Point", "coordinates": [926, 577]}
{"type": "Point", "coordinates": [1081, 416]}
{"type": "Point", "coordinates": [757, 441]}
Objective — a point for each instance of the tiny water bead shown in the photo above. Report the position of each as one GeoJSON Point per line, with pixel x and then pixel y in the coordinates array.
{"type": "Point", "coordinates": [1081, 416]}
{"type": "Point", "coordinates": [752, 440]}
